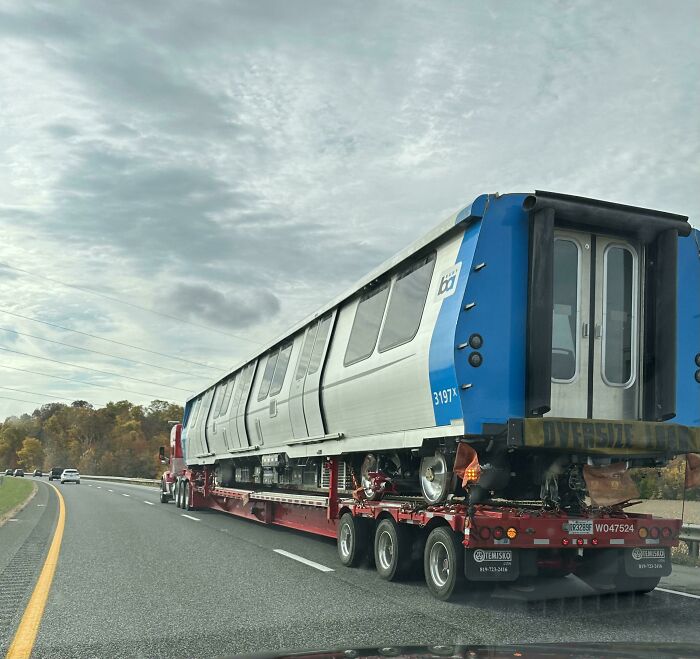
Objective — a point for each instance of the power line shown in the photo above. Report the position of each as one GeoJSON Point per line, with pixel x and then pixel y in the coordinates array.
{"type": "Point", "coordinates": [129, 304]}
{"type": "Point", "coordinates": [21, 400]}
{"type": "Point", "coordinates": [104, 354]}
{"type": "Point", "coordinates": [88, 384]}
{"type": "Point", "coordinates": [34, 393]}
{"type": "Point", "coordinates": [95, 370]}
{"type": "Point", "coordinates": [102, 338]}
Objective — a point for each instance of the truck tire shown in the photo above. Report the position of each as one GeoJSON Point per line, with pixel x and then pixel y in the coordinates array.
{"type": "Point", "coordinates": [443, 563]}
{"type": "Point", "coordinates": [163, 494]}
{"type": "Point", "coordinates": [186, 495]}
{"type": "Point", "coordinates": [178, 493]}
{"type": "Point", "coordinates": [352, 540]}
{"type": "Point", "coordinates": [392, 549]}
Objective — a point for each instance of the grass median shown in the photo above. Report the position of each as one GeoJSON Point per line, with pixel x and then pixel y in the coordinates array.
{"type": "Point", "coordinates": [13, 492]}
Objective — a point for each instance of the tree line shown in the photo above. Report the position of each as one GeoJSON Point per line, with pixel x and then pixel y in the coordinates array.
{"type": "Point", "coordinates": [119, 439]}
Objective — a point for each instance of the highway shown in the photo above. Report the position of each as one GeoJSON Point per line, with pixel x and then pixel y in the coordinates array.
{"type": "Point", "coordinates": [137, 578]}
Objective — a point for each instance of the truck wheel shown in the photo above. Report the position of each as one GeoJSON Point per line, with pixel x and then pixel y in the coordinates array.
{"type": "Point", "coordinates": [443, 563]}
{"type": "Point", "coordinates": [352, 540]}
{"type": "Point", "coordinates": [186, 495]}
{"type": "Point", "coordinates": [392, 549]}
{"type": "Point", "coordinates": [163, 494]}
{"type": "Point", "coordinates": [178, 493]}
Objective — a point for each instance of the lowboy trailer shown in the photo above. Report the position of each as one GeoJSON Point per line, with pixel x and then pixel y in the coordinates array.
{"type": "Point", "coordinates": [612, 550]}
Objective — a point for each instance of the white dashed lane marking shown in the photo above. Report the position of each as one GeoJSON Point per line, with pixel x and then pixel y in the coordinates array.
{"type": "Point", "coordinates": [303, 560]}
{"type": "Point", "coordinates": [194, 519]}
{"type": "Point", "coordinates": [125, 495]}
{"type": "Point", "coordinates": [678, 592]}
{"type": "Point", "coordinates": [150, 503]}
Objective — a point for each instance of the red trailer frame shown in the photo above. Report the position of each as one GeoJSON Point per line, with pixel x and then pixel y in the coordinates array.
{"type": "Point", "coordinates": [486, 527]}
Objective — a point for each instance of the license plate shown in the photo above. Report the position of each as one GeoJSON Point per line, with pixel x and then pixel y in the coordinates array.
{"type": "Point", "coordinates": [581, 527]}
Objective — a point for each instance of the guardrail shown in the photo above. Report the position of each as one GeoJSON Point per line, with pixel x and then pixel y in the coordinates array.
{"type": "Point", "coordinates": [151, 482]}
{"type": "Point", "coordinates": [690, 534]}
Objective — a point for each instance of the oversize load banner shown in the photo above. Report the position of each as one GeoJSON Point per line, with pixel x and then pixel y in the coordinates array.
{"type": "Point", "coordinates": [608, 437]}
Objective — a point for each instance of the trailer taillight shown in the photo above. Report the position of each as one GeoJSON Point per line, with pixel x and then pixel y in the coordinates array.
{"type": "Point", "coordinates": [666, 532]}
{"type": "Point", "coordinates": [642, 532]}
{"type": "Point", "coordinates": [512, 532]}
{"type": "Point", "coordinates": [579, 542]}
{"type": "Point", "coordinates": [594, 541]}
{"type": "Point", "coordinates": [498, 533]}
{"type": "Point", "coordinates": [484, 532]}
{"type": "Point", "coordinates": [565, 541]}
{"type": "Point", "coordinates": [654, 531]}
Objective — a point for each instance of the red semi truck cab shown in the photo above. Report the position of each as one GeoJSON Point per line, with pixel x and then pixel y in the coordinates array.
{"type": "Point", "coordinates": [175, 461]}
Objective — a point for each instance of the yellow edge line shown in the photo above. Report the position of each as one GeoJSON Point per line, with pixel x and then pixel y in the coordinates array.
{"type": "Point", "coordinates": [23, 642]}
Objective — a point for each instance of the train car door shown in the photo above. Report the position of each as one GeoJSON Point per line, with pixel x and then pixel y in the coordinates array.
{"type": "Point", "coordinates": [296, 392]}
{"type": "Point", "coordinates": [240, 402]}
{"type": "Point", "coordinates": [202, 421]}
{"type": "Point", "coordinates": [313, 413]}
{"type": "Point", "coordinates": [596, 326]}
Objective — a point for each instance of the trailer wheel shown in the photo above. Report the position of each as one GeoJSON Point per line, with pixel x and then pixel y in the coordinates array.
{"type": "Point", "coordinates": [392, 549]}
{"type": "Point", "coordinates": [443, 562]}
{"type": "Point", "coordinates": [621, 583]}
{"type": "Point", "coordinates": [187, 505]}
{"type": "Point", "coordinates": [352, 540]}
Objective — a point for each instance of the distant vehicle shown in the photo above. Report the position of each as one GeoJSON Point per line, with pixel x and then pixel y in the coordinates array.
{"type": "Point", "coordinates": [8, 472]}
{"type": "Point", "coordinates": [37, 472]}
{"type": "Point", "coordinates": [55, 473]}
{"type": "Point", "coordinates": [70, 476]}
{"type": "Point", "coordinates": [19, 472]}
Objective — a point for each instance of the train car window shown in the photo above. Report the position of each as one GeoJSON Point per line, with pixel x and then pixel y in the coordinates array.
{"type": "Point", "coordinates": [407, 303]}
{"type": "Point", "coordinates": [226, 398]}
{"type": "Point", "coordinates": [267, 375]}
{"type": "Point", "coordinates": [618, 322]}
{"type": "Point", "coordinates": [220, 393]}
{"type": "Point", "coordinates": [365, 327]}
{"type": "Point", "coordinates": [321, 338]}
{"type": "Point", "coordinates": [305, 355]}
{"type": "Point", "coordinates": [243, 382]}
{"type": "Point", "coordinates": [281, 369]}
{"type": "Point", "coordinates": [565, 310]}
{"type": "Point", "coordinates": [192, 417]}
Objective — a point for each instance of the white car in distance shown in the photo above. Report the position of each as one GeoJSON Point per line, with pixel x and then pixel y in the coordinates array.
{"type": "Point", "coordinates": [70, 476]}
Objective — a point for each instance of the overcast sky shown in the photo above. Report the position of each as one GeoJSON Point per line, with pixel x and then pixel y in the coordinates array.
{"type": "Point", "coordinates": [237, 164]}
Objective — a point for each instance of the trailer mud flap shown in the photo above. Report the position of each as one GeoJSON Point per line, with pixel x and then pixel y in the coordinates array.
{"type": "Point", "coordinates": [491, 564]}
{"type": "Point", "coordinates": [648, 562]}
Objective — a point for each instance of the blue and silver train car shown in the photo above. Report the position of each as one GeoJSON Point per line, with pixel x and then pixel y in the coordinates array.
{"type": "Point", "coordinates": [547, 331]}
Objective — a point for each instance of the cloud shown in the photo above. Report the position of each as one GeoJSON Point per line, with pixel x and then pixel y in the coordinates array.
{"type": "Point", "coordinates": [242, 163]}
{"type": "Point", "coordinates": [231, 309]}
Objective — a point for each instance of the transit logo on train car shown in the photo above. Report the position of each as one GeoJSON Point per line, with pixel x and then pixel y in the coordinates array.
{"type": "Point", "coordinates": [610, 436]}
{"type": "Point", "coordinates": [448, 281]}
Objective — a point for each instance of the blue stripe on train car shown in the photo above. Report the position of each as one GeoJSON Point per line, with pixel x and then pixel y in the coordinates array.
{"type": "Point", "coordinates": [499, 289]}
{"type": "Point", "coordinates": [443, 378]}
{"type": "Point", "coordinates": [688, 332]}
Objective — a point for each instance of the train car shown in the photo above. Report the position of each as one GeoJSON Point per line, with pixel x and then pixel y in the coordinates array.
{"type": "Point", "coordinates": [531, 335]}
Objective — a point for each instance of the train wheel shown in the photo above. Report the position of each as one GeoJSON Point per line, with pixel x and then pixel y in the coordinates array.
{"type": "Point", "coordinates": [435, 478]}
{"type": "Point", "coordinates": [443, 562]}
{"type": "Point", "coordinates": [392, 549]}
{"type": "Point", "coordinates": [352, 540]}
{"type": "Point", "coordinates": [369, 464]}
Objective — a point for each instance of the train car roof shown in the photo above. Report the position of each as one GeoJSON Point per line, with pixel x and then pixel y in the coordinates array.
{"type": "Point", "coordinates": [473, 210]}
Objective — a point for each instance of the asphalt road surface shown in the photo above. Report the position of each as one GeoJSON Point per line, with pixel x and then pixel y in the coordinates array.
{"type": "Point", "coordinates": [137, 578]}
